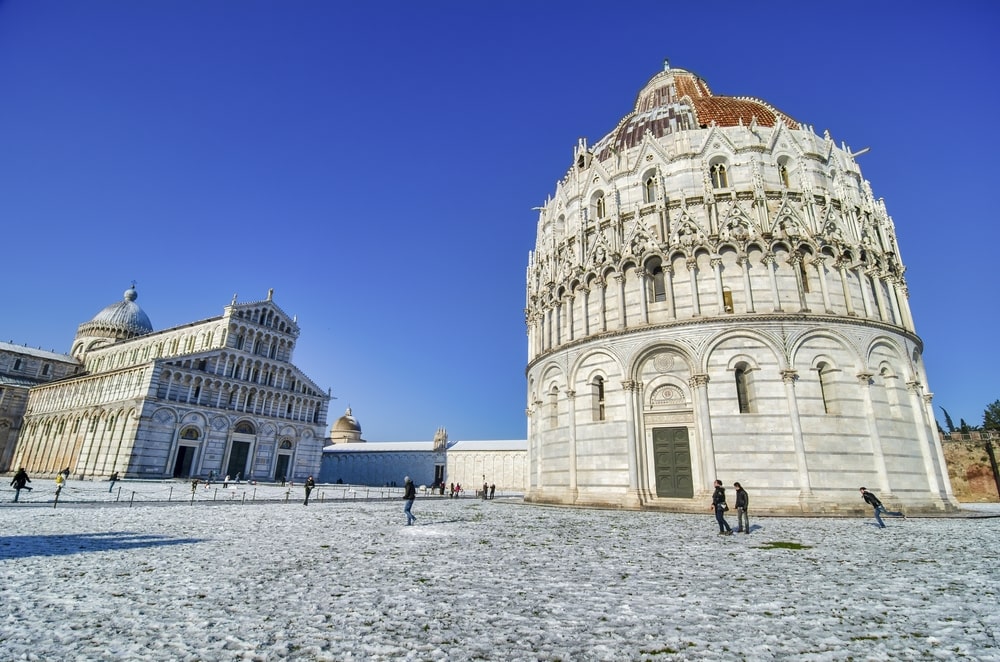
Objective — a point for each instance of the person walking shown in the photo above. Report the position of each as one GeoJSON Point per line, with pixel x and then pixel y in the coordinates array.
{"type": "Point", "coordinates": [113, 480]}
{"type": "Point", "coordinates": [310, 484]}
{"type": "Point", "coordinates": [20, 482]}
{"type": "Point", "coordinates": [742, 504]}
{"type": "Point", "coordinates": [720, 508]}
{"type": "Point", "coordinates": [409, 496]}
{"type": "Point", "coordinates": [875, 503]}
{"type": "Point", "coordinates": [60, 481]}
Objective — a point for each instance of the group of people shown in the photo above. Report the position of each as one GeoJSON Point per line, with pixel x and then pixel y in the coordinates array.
{"type": "Point", "coordinates": [719, 507]}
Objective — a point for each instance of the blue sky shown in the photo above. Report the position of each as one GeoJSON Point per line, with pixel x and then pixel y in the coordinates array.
{"type": "Point", "coordinates": [376, 164]}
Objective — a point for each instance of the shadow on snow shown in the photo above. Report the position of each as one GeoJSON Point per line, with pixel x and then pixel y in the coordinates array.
{"type": "Point", "coordinates": [17, 547]}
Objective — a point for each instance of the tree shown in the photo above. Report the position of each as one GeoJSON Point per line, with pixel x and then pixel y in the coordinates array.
{"type": "Point", "coordinates": [947, 421]}
{"type": "Point", "coordinates": [991, 416]}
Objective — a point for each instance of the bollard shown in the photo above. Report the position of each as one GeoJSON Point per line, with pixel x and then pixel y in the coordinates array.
{"type": "Point", "coordinates": [253, 497]}
{"type": "Point", "coordinates": [244, 498]}
{"type": "Point", "coordinates": [55, 501]}
{"type": "Point", "coordinates": [215, 494]}
{"type": "Point", "coordinates": [131, 500]}
{"type": "Point", "coordinates": [171, 494]}
{"type": "Point", "coordinates": [118, 497]}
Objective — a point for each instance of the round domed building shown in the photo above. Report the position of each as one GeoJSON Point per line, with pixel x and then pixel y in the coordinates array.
{"type": "Point", "coordinates": [715, 292]}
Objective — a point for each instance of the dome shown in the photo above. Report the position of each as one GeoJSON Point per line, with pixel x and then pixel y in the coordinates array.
{"type": "Point", "coordinates": [346, 423]}
{"type": "Point", "coordinates": [122, 320]}
{"type": "Point", "coordinates": [677, 100]}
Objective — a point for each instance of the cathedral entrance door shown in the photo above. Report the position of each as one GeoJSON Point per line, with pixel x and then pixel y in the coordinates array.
{"type": "Point", "coordinates": [672, 463]}
{"type": "Point", "coordinates": [182, 465]}
{"type": "Point", "coordinates": [238, 459]}
{"type": "Point", "coordinates": [281, 470]}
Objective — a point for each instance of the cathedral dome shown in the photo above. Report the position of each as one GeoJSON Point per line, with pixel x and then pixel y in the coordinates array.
{"type": "Point", "coordinates": [347, 423]}
{"type": "Point", "coordinates": [125, 316]}
{"type": "Point", "coordinates": [123, 320]}
{"type": "Point", "coordinates": [678, 100]}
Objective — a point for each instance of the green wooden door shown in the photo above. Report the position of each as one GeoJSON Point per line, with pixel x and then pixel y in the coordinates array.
{"type": "Point", "coordinates": [672, 463]}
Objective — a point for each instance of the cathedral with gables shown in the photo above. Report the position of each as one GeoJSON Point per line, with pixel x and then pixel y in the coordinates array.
{"type": "Point", "coordinates": [215, 397]}
{"type": "Point", "coordinates": [716, 292]}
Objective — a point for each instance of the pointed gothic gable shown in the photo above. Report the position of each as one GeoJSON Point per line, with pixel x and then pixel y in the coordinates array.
{"type": "Point", "coordinates": [787, 222]}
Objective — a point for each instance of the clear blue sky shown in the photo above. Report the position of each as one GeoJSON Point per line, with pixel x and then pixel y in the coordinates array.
{"type": "Point", "coordinates": [376, 164]}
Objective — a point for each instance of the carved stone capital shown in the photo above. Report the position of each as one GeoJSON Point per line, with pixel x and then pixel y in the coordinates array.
{"type": "Point", "coordinates": [865, 378]}
{"type": "Point", "coordinates": [698, 380]}
{"type": "Point", "coordinates": [789, 376]}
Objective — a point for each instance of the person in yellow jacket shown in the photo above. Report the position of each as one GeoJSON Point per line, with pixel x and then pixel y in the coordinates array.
{"type": "Point", "coordinates": [60, 481]}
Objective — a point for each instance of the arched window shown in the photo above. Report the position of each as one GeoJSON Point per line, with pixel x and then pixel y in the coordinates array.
{"type": "Point", "coordinates": [45, 370]}
{"type": "Point", "coordinates": [191, 434]}
{"type": "Point", "coordinates": [244, 427]}
{"type": "Point", "coordinates": [17, 364]}
{"type": "Point", "coordinates": [743, 388]}
{"type": "Point", "coordinates": [285, 445]}
{"type": "Point", "coordinates": [649, 190]}
{"type": "Point", "coordinates": [720, 177]}
{"type": "Point", "coordinates": [826, 387]}
{"type": "Point", "coordinates": [597, 397]}
{"type": "Point", "coordinates": [553, 408]}
{"type": "Point", "coordinates": [599, 206]}
{"type": "Point", "coordinates": [783, 175]}
{"type": "Point", "coordinates": [658, 286]}
{"type": "Point", "coordinates": [727, 299]}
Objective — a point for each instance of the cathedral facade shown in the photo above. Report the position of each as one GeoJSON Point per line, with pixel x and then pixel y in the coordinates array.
{"type": "Point", "coordinates": [715, 292]}
{"type": "Point", "coordinates": [214, 397]}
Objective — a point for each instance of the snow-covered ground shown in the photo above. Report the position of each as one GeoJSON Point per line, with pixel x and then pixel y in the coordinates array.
{"type": "Point", "coordinates": [239, 578]}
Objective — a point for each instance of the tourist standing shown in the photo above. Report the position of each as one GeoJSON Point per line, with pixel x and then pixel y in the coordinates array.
{"type": "Point", "coordinates": [493, 490]}
{"type": "Point", "coordinates": [409, 496]}
{"type": "Point", "coordinates": [310, 484]}
{"type": "Point", "coordinates": [742, 504]}
{"type": "Point", "coordinates": [720, 508]}
{"type": "Point", "coordinates": [20, 482]}
{"type": "Point", "coordinates": [875, 503]}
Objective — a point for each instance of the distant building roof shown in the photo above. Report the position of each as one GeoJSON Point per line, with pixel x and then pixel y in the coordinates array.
{"type": "Point", "coordinates": [490, 445]}
{"type": "Point", "coordinates": [40, 353]}
{"type": "Point", "coordinates": [427, 446]}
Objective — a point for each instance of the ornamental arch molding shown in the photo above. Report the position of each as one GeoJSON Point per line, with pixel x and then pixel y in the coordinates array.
{"type": "Point", "coordinates": [767, 339]}
{"type": "Point", "coordinates": [804, 350]}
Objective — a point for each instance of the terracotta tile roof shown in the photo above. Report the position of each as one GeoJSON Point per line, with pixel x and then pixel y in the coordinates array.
{"type": "Point", "coordinates": [678, 100]}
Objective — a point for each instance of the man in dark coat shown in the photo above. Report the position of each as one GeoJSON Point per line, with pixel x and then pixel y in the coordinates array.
{"type": "Point", "coordinates": [875, 503]}
{"type": "Point", "coordinates": [409, 496]}
{"type": "Point", "coordinates": [720, 508]}
{"type": "Point", "coordinates": [310, 484]}
{"type": "Point", "coordinates": [742, 504]}
{"type": "Point", "coordinates": [20, 482]}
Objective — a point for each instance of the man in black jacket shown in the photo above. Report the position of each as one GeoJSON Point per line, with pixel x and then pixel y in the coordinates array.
{"type": "Point", "coordinates": [310, 484]}
{"type": "Point", "coordinates": [742, 504]}
{"type": "Point", "coordinates": [874, 502]}
{"type": "Point", "coordinates": [409, 495]}
{"type": "Point", "coordinates": [720, 508]}
{"type": "Point", "coordinates": [20, 482]}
